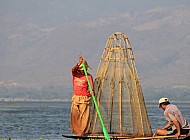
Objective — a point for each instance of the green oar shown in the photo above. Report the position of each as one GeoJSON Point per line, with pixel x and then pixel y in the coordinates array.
{"type": "Point", "coordinates": [106, 135]}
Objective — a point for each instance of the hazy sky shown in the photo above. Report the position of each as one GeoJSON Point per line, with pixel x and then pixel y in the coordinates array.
{"type": "Point", "coordinates": [40, 39]}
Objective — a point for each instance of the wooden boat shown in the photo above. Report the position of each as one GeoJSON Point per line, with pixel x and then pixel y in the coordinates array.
{"type": "Point", "coordinates": [182, 137]}
{"type": "Point", "coordinates": [119, 95]}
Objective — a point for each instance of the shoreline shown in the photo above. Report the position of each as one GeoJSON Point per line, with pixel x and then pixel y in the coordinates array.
{"type": "Point", "coordinates": [69, 100]}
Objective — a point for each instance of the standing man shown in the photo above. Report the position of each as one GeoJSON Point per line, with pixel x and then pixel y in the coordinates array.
{"type": "Point", "coordinates": [80, 108]}
{"type": "Point", "coordinates": [177, 124]}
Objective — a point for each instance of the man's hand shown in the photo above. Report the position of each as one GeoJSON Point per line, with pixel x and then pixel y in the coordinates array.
{"type": "Point", "coordinates": [81, 59]}
{"type": "Point", "coordinates": [92, 93]}
{"type": "Point", "coordinates": [177, 135]}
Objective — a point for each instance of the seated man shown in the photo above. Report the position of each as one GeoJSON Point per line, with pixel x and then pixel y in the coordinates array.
{"type": "Point", "coordinates": [177, 124]}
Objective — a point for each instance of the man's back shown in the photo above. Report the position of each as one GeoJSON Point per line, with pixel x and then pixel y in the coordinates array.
{"type": "Point", "coordinates": [172, 112]}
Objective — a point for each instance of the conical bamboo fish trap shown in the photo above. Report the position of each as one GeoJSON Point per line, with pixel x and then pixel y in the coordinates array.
{"type": "Point", "coordinates": [118, 92]}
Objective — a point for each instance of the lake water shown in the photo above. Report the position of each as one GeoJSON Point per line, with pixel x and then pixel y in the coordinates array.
{"type": "Point", "coordinates": [49, 120]}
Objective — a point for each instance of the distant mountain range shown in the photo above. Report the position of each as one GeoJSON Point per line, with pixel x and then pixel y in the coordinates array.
{"type": "Point", "coordinates": [39, 45]}
{"type": "Point", "coordinates": [51, 93]}
{"type": "Point", "coordinates": [13, 92]}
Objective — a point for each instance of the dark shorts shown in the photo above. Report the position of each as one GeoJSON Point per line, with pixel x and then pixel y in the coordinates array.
{"type": "Point", "coordinates": [183, 131]}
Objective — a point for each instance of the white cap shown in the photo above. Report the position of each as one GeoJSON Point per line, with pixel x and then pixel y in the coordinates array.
{"type": "Point", "coordinates": [162, 100]}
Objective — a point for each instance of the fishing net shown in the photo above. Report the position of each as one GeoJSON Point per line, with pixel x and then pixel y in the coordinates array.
{"type": "Point", "coordinates": [118, 92]}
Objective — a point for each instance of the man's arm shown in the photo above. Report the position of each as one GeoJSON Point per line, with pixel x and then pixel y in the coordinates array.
{"type": "Point", "coordinates": [75, 69]}
{"type": "Point", "coordinates": [91, 83]}
{"type": "Point", "coordinates": [167, 125]}
{"type": "Point", "coordinates": [177, 125]}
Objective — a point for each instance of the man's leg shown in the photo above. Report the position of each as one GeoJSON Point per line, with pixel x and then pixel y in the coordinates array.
{"type": "Point", "coordinates": [161, 132]}
{"type": "Point", "coordinates": [75, 119]}
{"type": "Point", "coordinates": [85, 117]}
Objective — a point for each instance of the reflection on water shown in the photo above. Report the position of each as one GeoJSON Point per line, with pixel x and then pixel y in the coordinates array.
{"type": "Point", "coordinates": [49, 120]}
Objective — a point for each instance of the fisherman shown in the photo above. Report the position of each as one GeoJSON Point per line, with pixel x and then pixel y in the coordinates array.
{"type": "Point", "coordinates": [81, 99]}
{"type": "Point", "coordinates": [177, 124]}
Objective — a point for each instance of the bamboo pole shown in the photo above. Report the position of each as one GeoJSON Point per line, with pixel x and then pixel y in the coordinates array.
{"type": "Point", "coordinates": [103, 70]}
{"type": "Point", "coordinates": [96, 105]}
{"type": "Point", "coordinates": [120, 93]}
